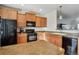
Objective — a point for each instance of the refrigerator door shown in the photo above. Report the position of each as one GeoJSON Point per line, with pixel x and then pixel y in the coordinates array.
{"type": "Point", "coordinates": [11, 32]}
{"type": "Point", "coordinates": [2, 33]}
{"type": "Point", "coordinates": [7, 32]}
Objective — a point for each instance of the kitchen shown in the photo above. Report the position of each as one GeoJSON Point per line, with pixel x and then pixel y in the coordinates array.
{"type": "Point", "coordinates": [35, 26]}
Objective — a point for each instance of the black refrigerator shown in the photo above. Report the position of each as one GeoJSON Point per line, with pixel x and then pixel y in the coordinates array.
{"type": "Point", "coordinates": [8, 34]}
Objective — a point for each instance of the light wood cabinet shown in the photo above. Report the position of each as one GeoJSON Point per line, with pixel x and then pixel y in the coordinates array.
{"type": "Point", "coordinates": [21, 21]}
{"type": "Point", "coordinates": [0, 12]}
{"type": "Point", "coordinates": [38, 21]}
{"type": "Point", "coordinates": [55, 39]}
{"type": "Point", "coordinates": [8, 13]}
{"type": "Point", "coordinates": [4, 13]}
{"type": "Point", "coordinates": [21, 38]}
{"type": "Point", "coordinates": [41, 21]}
{"type": "Point", "coordinates": [41, 36]}
{"type": "Point", "coordinates": [30, 17]}
{"type": "Point", "coordinates": [12, 14]}
{"type": "Point", "coordinates": [78, 47]}
{"type": "Point", "coordinates": [52, 38]}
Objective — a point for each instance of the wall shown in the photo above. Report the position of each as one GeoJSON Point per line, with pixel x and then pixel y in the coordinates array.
{"type": "Point", "coordinates": [64, 21]}
{"type": "Point", "coordinates": [70, 21]}
{"type": "Point", "coordinates": [51, 20]}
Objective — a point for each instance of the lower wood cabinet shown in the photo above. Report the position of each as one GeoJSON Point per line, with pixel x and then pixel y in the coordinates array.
{"type": "Point", "coordinates": [21, 38]}
{"type": "Point", "coordinates": [78, 47]}
{"type": "Point", "coordinates": [41, 36]}
{"type": "Point", "coordinates": [55, 39]}
{"type": "Point", "coordinates": [52, 38]}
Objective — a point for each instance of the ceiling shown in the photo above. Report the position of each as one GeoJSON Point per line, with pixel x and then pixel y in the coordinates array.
{"type": "Point", "coordinates": [39, 8]}
{"type": "Point", "coordinates": [68, 10]}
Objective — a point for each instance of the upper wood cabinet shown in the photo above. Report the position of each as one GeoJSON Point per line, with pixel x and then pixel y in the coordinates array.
{"type": "Point", "coordinates": [12, 14]}
{"type": "Point", "coordinates": [38, 21]}
{"type": "Point", "coordinates": [21, 21]}
{"type": "Point", "coordinates": [0, 12]}
{"type": "Point", "coordinates": [41, 21]}
{"type": "Point", "coordinates": [8, 13]}
{"type": "Point", "coordinates": [30, 17]}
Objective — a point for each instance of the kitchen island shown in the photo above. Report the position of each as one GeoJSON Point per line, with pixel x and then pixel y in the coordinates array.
{"type": "Point", "coordinates": [56, 36]}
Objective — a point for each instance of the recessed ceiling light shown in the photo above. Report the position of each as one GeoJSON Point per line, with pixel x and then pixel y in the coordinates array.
{"type": "Point", "coordinates": [40, 10]}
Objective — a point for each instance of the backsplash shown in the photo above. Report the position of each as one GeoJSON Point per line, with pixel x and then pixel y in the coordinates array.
{"type": "Point", "coordinates": [37, 28]}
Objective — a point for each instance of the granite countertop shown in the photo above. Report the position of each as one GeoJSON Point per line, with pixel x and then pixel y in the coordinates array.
{"type": "Point", "coordinates": [70, 33]}
{"type": "Point", "coordinates": [33, 48]}
{"type": "Point", "coordinates": [60, 31]}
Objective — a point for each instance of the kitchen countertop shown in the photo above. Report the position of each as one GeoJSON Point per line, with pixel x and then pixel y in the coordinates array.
{"type": "Point", "coordinates": [68, 33]}
{"type": "Point", "coordinates": [62, 31]}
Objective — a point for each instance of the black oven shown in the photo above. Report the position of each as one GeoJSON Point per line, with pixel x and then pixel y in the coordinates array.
{"type": "Point", "coordinates": [30, 23]}
{"type": "Point", "coordinates": [31, 35]}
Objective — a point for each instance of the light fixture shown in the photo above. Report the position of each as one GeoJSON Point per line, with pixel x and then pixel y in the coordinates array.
{"type": "Point", "coordinates": [60, 13]}
{"type": "Point", "coordinates": [22, 4]}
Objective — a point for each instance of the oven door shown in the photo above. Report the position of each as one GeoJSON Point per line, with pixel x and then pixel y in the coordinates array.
{"type": "Point", "coordinates": [31, 37]}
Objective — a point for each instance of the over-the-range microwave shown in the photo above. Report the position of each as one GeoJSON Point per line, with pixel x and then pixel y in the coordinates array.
{"type": "Point", "coordinates": [30, 23]}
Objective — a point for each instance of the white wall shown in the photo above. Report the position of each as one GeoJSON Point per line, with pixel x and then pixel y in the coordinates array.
{"type": "Point", "coordinates": [51, 20]}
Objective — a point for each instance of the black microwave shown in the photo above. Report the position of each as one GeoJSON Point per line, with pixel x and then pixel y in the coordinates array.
{"type": "Point", "coordinates": [30, 23]}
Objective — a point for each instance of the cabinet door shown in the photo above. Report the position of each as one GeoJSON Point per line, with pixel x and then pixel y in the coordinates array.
{"type": "Point", "coordinates": [30, 17]}
{"type": "Point", "coordinates": [55, 39]}
{"type": "Point", "coordinates": [41, 36]}
{"type": "Point", "coordinates": [8, 13]}
{"type": "Point", "coordinates": [21, 38]}
{"type": "Point", "coordinates": [12, 14]}
{"type": "Point", "coordinates": [43, 22]}
{"type": "Point", "coordinates": [51, 38]}
{"type": "Point", "coordinates": [38, 21]}
{"type": "Point", "coordinates": [0, 12]}
{"type": "Point", "coordinates": [4, 13]}
{"type": "Point", "coordinates": [21, 20]}
{"type": "Point", "coordinates": [58, 40]}
{"type": "Point", "coordinates": [78, 47]}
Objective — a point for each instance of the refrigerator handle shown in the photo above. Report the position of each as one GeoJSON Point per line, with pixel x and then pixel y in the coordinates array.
{"type": "Point", "coordinates": [1, 32]}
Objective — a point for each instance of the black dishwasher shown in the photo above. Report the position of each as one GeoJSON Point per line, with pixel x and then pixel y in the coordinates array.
{"type": "Point", "coordinates": [70, 45]}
